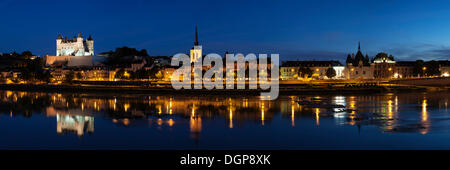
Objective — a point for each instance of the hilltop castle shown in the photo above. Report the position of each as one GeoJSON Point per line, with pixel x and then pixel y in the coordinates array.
{"type": "Point", "coordinates": [74, 47]}
{"type": "Point", "coordinates": [72, 52]}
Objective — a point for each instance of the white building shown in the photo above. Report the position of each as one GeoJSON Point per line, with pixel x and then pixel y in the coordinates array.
{"type": "Point", "coordinates": [291, 70]}
{"type": "Point", "coordinates": [74, 47]}
{"type": "Point", "coordinates": [196, 51]}
{"type": "Point", "coordinates": [72, 52]}
{"type": "Point", "coordinates": [444, 68]}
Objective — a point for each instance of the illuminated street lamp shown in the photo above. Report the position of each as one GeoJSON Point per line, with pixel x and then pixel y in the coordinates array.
{"type": "Point", "coordinates": [126, 74]}
{"type": "Point", "coordinates": [424, 69]}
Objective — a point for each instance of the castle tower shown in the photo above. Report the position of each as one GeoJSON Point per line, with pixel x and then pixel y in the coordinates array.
{"type": "Point", "coordinates": [90, 45]}
{"type": "Point", "coordinates": [80, 51]}
{"type": "Point", "coordinates": [59, 40]}
{"type": "Point", "coordinates": [196, 51]}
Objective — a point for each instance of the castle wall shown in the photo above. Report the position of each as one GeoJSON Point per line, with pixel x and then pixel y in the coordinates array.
{"type": "Point", "coordinates": [80, 61]}
{"type": "Point", "coordinates": [71, 60]}
{"type": "Point", "coordinates": [50, 60]}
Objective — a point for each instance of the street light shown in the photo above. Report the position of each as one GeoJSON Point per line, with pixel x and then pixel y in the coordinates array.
{"type": "Point", "coordinates": [424, 69]}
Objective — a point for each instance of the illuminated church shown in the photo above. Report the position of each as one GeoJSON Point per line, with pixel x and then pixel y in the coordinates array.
{"type": "Point", "coordinates": [196, 51]}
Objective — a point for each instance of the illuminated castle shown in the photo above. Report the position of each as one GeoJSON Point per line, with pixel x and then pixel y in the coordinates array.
{"type": "Point", "coordinates": [72, 52]}
{"type": "Point", "coordinates": [74, 47]}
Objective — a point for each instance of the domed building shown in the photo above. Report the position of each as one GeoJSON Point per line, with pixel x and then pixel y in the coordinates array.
{"type": "Point", "coordinates": [384, 66]}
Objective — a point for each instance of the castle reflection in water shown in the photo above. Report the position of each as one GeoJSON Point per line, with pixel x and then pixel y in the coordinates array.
{"type": "Point", "coordinates": [75, 112]}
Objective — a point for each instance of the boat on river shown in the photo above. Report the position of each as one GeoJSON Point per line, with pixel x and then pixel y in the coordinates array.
{"type": "Point", "coordinates": [319, 103]}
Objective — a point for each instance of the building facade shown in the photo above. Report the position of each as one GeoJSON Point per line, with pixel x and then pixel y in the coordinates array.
{"type": "Point", "coordinates": [291, 70]}
{"type": "Point", "coordinates": [74, 47]}
{"type": "Point", "coordinates": [404, 69]}
{"type": "Point", "coordinates": [384, 66]}
{"type": "Point", "coordinates": [358, 67]}
{"type": "Point", "coordinates": [72, 52]}
{"type": "Point", "coordinates": [444, 68]}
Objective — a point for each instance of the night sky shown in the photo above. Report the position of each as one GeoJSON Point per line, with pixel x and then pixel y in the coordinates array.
{"type": "Point", "coordinates": [303, 30]}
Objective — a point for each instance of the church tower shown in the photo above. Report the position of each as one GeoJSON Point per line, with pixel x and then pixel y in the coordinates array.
{"type": "Point", "coordinates": [196, 51]}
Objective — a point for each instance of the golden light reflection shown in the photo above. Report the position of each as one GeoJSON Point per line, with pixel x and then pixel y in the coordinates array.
{"type": "Point", "coordinates": [193, 111]}
{"type": "Point", "coordinates": [317, 111]}
{"type": "Point", "coordinates": [352, 118]}
{"type": "Point", "coordinates": [424, 118]}
{"type": "Point", "coordinates": [126, 121]}
{"type": "Point", "coordinates": [170, 106]}
{"type": "Point", "coordinates": [195, 122]}
{"type": "Point", "coordinates": [231, 118]}
{"type": "Point", "coordinates": [170, 122]}
{"type": "Point", "coordinates": [159, 121]}
{"type": "Point", "coordinates": [390, 108]}
{"type": "Point", "coordinates": [126, 106]}
{"type": "Point", "coordinates": [292, 113]}
{"type": "Point", "coordinates": [352, 104]}
{"type": "Point", "coordinates": [424, 110]}
{"type": "Point", "coordinates": [262, 113]}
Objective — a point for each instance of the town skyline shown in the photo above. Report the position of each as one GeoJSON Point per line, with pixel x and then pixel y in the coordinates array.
{"type": "Point", "coordinates": [313, 33]}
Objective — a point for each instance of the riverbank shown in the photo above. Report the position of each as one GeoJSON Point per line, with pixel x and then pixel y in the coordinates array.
{"type": "Point", "coordinates": [284, 90]}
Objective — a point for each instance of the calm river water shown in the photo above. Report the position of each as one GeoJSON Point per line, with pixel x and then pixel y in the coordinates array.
{"type": "Point", "coordinates": [110, 121]}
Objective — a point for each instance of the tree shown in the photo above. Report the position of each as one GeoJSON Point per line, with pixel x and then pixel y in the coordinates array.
{"type": "Point", "coordinates": [141, 74]}
{"type": "Point", "coordinates": [33, 69]}
{"type": "Point", "coordinates": [69, 76]}
{"type": "Point", "coordinates": [305, 72]}
{"type": "Point", "coordinates": [120, 73]}
{"type": "Point", "coordinates": [122, 55]}
{"type": "Point", "coordinates": [429, 68]}
{"type": "Point", "coordinates": [153, 71]}
{"type": "Point", "coordinates": [418, 68]}
{"type": "Point", "coordinates": [26, 54]}
{"type": "Point", "coordinates": [330, 73]}
{"type": "Point", "coordinates": [391, 57]}
{"type": "Point", "coordinates": [2, 78]}
{"type": "Point", "coordinates": [432, 68]}
{"type": "Point", "coordinates": [159, 75]}
{"type": "Point", "coordinates": [78, 76]}
{"type": "Point", "coordinates": [46, 76]}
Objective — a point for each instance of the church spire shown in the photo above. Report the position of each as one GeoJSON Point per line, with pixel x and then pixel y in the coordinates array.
{"type": "Point", "coordinates": [359, 45]}
{"type": "Point", "coordinates": [196, 36]}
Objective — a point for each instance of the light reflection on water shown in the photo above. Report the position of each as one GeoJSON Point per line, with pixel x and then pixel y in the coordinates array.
{"type": "Point", "coordinates": [217, 122]}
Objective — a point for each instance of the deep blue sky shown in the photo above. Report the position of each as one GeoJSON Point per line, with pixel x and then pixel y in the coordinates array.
{"type": "Point", "coordinates": [294, 29]}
